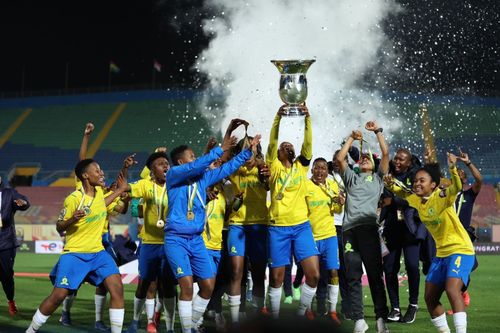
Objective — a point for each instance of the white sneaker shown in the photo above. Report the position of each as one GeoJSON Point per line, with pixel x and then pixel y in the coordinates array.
{"type": "Point", "coordinates": [381, 326]}
{"type": "Point", "coordinates": [360, 326]}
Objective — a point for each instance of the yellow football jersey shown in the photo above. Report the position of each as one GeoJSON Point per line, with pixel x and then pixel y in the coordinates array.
{"type": "Point", "coordinates": [288, 185]}
{"type": "Point", "coordinates": [85, 236]}
{"type": "Point", "coordinates": [153, 196]}
{"type": "Point", "coordinates": [111, 210]}
{"type": "Point", "coordinates": [321, 208]}
{"type": "Point", "coordinates": [439, 216]}
{"type": "Point", "coordinates": [253, 209]}
{"type": "Point", "coordinates": [215, 211]}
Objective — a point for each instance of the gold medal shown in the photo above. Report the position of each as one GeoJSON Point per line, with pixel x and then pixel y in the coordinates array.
{"type": "Point", "coordinates": [160, 223]}
{"type": "Point", "coordinates": [279, 196]}
{"type": "Point", "coordinates": [190, 216]}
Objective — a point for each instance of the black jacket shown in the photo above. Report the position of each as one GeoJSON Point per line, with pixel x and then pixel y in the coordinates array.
{"type": "Point", "coordinates": [413, 227]}
{"type": "Point", "coordinates": [8, 238]}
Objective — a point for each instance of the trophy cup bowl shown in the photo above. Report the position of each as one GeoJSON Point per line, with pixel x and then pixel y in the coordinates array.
{"type": "Point", "coordinates": [293, 84]}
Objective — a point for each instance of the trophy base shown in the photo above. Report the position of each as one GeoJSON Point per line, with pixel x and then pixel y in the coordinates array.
{"type": "Point", "coordinates": [294, 111]}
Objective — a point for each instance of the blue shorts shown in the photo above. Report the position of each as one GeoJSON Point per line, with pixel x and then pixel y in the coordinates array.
{"type": "Point", "coordinates": [151, 261]}
{"type": "Point", "coordinates": [328, 253]}
{"type": "Point", "coordinates": [188, 257]}
{"type": "Point", "coordinates": [215, 255]}
{"type": "Point", "coordinates": [283, 239]}
{"type": "Point", "coordinates": [455, 266]}
{"type": "Point", "coordinates": [250, 240]}
{"type": "Point", "coordinates": [74, 268]}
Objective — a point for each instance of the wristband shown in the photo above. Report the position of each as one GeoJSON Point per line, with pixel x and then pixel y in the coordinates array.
{"type": "Point", "coordinates": [378, 130]}
{"type": "Point", "coordinates": [468, 163]}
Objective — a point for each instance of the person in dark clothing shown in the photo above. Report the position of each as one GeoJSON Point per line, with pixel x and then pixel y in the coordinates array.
{"type": "Point", "coordinates": [464, 206]}
{"type": "Point", "coordinates": [403, 233]}
{"type": "Point", "coordinates": [10, 202]}
{"type": "Point", "coordinates": [360, 229]}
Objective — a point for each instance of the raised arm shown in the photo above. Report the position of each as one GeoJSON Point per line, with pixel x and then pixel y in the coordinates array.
{"type": "Point", "coordinates": [478, 178]}
{"type": "Point", "coordinates": [216, 175]}
{"type": "Point", "coordinates": [272, 148]}
{"type": "Point", "coordinates": [89, 128]}
{"type": "Point", "coordinates": [127, 163]}
{"type": "Point", "coordinates": [306, 150]}
{"type": "Point", "coordinates": [122, 186]}
{"type": "Point", "coordinates": [341, 156]}
{"type": "Point", "coordinates": [456, 183]}
{"type": "Point", "coordinates": [384, 162]}
{"type": "Point", "coordinates": [181, 173]}
{"type": "Point", "coordinates": [234, 124]}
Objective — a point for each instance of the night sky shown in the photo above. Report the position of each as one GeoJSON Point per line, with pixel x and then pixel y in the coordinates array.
{"type": "Point", "coordinates": [445, 47]}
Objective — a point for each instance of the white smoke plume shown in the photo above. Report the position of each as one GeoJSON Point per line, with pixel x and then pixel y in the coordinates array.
{"type": "Point", "coordinates": [344, 36]}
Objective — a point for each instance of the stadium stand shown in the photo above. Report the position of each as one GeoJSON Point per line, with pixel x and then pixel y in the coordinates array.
{"type": "Point", "coordinates": [158, 118]}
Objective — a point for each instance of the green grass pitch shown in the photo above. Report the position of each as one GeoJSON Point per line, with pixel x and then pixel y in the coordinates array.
{"type": "Point", "coordinates": [482, 315]}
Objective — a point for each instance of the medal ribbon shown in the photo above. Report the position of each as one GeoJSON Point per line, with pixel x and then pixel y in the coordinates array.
{"type": "Point", "coordinates": [82, 201]}
{"type": "Point", "coordinates": [162, 197]}
{"type": "Point", "coordinates": [192, 190]}
{"type": "Point", "coordinates": [327, 190]}
{"type": "Point", "coordinates": [285, 183]}
{"type": "Point", "coordinates": [460, 201]}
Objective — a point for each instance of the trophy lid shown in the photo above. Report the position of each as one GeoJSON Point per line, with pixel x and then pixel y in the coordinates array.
{"type": "Point", "coordinates": [293, 66]}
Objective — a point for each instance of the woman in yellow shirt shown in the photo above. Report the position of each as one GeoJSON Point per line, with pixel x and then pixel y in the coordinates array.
{"type": "Point", "coordinates": [451, 267]}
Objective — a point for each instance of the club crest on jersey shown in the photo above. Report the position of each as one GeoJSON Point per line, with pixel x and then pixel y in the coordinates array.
{"type": "Point", "coordinates": [369, 179]}
{"type": "Point", "coordinates": [64, 281]}
{"type": "Point", "coordinates": [233, 249]}
{"type": "Point", "coordinates": [348, 247]}
{"type": "Point", "coordinates": [431, 211]}
{"type": "Point", "coordinates": [179, 271]}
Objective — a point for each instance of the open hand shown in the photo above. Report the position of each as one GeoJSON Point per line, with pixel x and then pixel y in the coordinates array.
{"type": "Point", "coordinates": [229, 142]}
{"type": "Point", "coordinates": [211, 143]}
{"type": "Point", "coordinates": [255, 141]}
